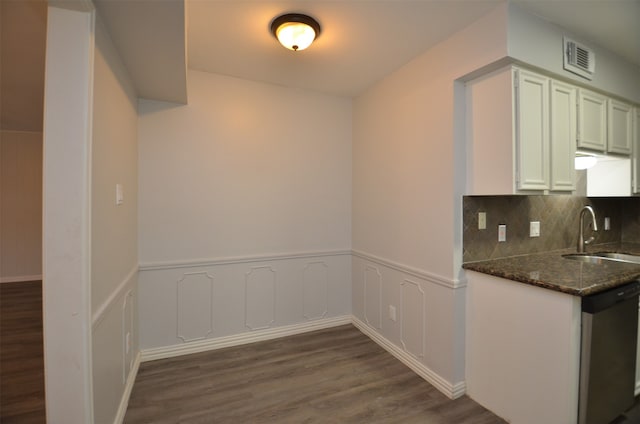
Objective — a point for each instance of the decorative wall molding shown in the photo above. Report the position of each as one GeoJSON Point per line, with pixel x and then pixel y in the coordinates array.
{"type": "Point", "coordinates": [430, 277]}
{"type": "Point", "coordinates": [310, 288]}
{"type": "Point", "coordinates": [20, 278]}
{"type": "Point", "coordinates": [240, 339]}
{"type": "Point", "coordinates": [118, 293]}
{"type": "Point", "coordinates": [194, 306]}
{"type": "Point", "coordinates": [373, 309]}
{"type": "Point", "coordinates": [128, 387]}
{"type": "Point", "coordinates": [405, 315]}
{"type": "Point", "coordinates": [127, 334]}
{"type": "Point", "coordinates": [150, 266]}
{"type": "Point", "coordinates": [253, 302]}
{"type": "Point", "coordinates": [452, 391]}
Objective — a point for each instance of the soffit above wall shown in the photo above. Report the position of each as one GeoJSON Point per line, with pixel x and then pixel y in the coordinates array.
{"type": "Point", "coordinates": [150, 37]}
{"type": "Point", "coordinates": [613, 25]}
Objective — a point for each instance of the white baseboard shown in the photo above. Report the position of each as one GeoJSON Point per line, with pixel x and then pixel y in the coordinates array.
{"type": "Point", "coordinates": [240, 339]}
{"type": "Point", "coordinates": [452, 391]}
{"type": "Point", "coordinates": [124, 402]}
{"type": "Point", "coordinates": [20, 278]}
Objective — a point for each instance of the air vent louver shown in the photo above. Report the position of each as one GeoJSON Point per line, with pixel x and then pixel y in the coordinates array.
{"type": "Point", "coordinates": [579, 59]}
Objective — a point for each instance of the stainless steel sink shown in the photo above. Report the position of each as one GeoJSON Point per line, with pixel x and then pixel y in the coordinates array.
{"type": "Point", "coordinates": [620, 257]}
{"type": "Point", "coordinates": [603, 258]}
{"type": "Point", "coordinates": [590, 259]}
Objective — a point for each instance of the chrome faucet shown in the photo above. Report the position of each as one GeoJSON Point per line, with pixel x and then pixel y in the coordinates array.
{"type": "Point", "coordinates": [582, 243]}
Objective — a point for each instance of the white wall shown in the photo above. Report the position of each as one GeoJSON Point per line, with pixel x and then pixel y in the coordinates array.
{"type": "Point", "coordinates": [21, 206]}
{"type": "Point", "coordinates": [249, 187]}
{"type": "Point", "coordinates": [408, 179]}
{"type": "Point", "coordinates": [114, 232]}
{"type": "Point", "coordinates": [66, 216]}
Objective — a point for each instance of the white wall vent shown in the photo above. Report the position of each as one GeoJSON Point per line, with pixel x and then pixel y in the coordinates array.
{"type": "Point", "coordinates": [579, 59]}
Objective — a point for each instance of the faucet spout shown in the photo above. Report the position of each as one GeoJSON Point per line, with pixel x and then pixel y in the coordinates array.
{"type": "Point", "coordinates": [582, 243]}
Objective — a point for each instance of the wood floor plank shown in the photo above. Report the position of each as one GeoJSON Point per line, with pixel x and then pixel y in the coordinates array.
{"type": "Point", "coordinates": [336, 375]}
{"type": "Point", "coordinates": [21, 353]}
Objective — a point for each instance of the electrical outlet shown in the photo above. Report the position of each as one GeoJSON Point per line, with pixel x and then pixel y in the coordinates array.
{"type": "Point", "coordinates": [502, 232]}
{"type": "Point", "coordinates": [534, 229]}
{"type": "Point", "coordinates": [392, 312]}
{"type": "Point", "coordinates": [482, 220]}
{"type": "Point", "coordinates": [607, 223]}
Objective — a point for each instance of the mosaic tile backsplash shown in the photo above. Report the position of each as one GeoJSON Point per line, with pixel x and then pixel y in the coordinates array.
{"type": "Point", "coordinates": [559, 220]}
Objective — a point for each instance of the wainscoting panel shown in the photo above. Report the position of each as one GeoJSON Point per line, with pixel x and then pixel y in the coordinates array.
{"type": "Point", "coordinates": [260, 298]}
{"type": "Point", "coordinates": [424, 333]}
{"type": "Point", "coordinates": [128, 353]}
{"type": "Point", "coordinates": [373, 296]}
{"type": "Point", "coordinates": [252, 294]}
{"type": "Point", "coordinates": [115, 351]}
{"type": "Point", "coordinates": [412, 318]}
{"type": "Point", "coordinates": [195, 306]}
{"type": "Point", "coordinates": [316, 290]}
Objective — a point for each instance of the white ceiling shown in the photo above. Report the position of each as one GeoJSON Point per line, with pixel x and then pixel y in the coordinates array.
{"type": "Point", "coordinates": [362, 41]}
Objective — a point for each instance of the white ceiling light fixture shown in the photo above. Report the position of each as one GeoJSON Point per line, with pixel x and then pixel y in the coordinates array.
{"type": "Point", "coordinates": [295, 31]}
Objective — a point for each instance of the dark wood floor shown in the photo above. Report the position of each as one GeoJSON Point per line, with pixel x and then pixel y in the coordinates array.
{"type": "Point", "coordinates": [21, 353]}
{"type": "Point", "coordinates": [336, 375]}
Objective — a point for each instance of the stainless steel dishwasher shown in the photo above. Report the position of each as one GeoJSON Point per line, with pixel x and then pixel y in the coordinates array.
{"type": "Point", "coordinates": [608, 354]}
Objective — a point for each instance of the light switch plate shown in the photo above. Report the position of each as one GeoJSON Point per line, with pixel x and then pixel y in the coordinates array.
{"type": "Point", "coordinates": [482, 220]}
{"type": "Point", "coordinates": [119, 194]}
{"type": "Point", "coordinates": [607, 223]}
{"type": "Point", "coordinates": [534, 229]}
{"type": "Point", "coordinates": [502, 232]}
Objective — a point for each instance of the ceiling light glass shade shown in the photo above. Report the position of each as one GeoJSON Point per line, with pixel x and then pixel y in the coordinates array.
{"type": "Point", "coordinates": [585, 162]}
{"type": "Point", "coordinates": [295, 31]}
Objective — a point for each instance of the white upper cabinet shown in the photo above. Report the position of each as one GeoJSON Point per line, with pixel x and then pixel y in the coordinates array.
{"type": "Point", "coordinates": [620, 126]}
{"type": "Point", "coordinates": [523, 129]}
{"type": "Point", "coordinates": [592, 120]}
{"type": "Point", "coordinates": [635, 162]}
{"type": "Point", "coordinates": [532, 131]}
{"type": "Point", "coordinates": [563, 136]}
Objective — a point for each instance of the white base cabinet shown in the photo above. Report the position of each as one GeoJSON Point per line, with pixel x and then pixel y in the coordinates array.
{"type": "Point", "coordinates": [522, 350]}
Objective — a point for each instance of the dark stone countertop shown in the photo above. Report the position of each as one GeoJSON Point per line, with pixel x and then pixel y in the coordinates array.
{"type": "Point", "coordinates": [551, 271]}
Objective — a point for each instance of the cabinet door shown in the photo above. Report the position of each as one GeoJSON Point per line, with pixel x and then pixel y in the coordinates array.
{"type": "Point", "coordinates": [620, 127]}
{"type": "Point", "coordinates": [563, 136]}
{"type": "Point", "coordinates": [635, 159]}
{"type": "Point", "coordinates": [592, 120]}
{"type": "Point", "coordinates": [532, 131]}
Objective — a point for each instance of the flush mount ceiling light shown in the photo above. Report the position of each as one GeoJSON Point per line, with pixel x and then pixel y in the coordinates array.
{"type": "Point", "coordinates": [295, 31]}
